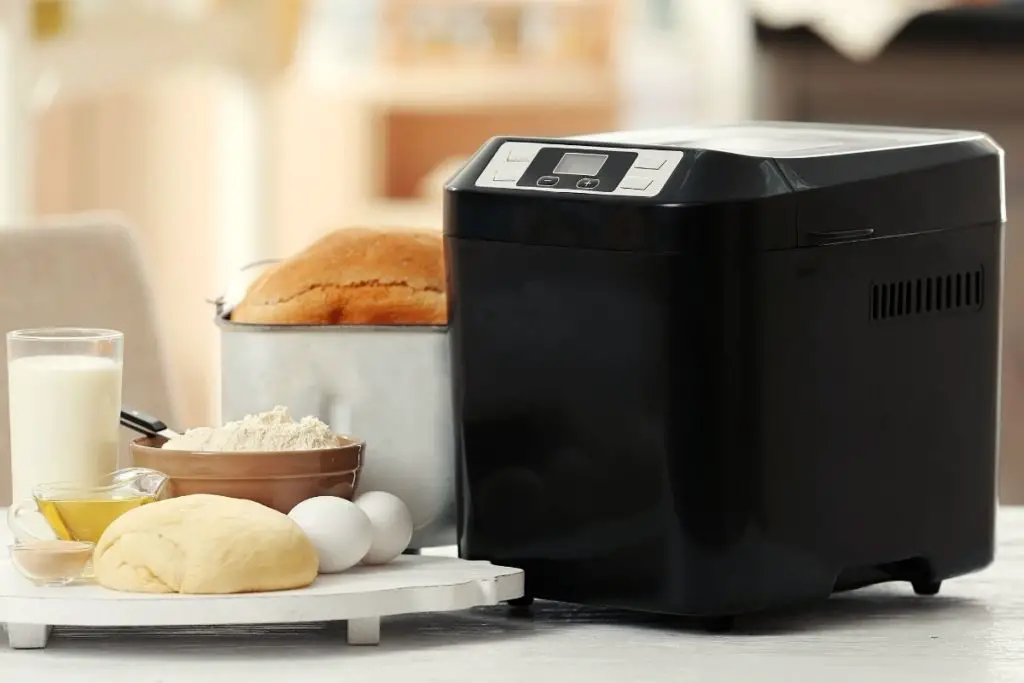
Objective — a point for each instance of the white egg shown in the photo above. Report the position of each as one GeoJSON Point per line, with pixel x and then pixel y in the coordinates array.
{"type": "Point", "coordinates": [392, 525]}
{"type": "Point", "coordinates": [340, 531]}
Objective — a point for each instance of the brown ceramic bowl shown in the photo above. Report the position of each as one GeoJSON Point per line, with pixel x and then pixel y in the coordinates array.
{"type": "Point", "coordinates": [278, 479]}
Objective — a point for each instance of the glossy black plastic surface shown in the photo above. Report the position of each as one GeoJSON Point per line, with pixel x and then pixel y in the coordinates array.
{"type": "Point", "coordinates": [695, 419]}
{"type": "Point", "coordinates": [762, 203]}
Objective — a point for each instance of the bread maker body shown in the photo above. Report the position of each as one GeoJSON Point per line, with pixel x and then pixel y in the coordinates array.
{"type": "Point", "coordinates": [715, 371]}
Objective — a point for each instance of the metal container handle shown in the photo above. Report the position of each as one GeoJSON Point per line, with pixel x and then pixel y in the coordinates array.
{"type": "Point", "coordinates": [219, 301]}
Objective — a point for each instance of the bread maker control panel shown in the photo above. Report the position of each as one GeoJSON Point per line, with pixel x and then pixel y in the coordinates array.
{"type": "Point", "coordinates": [550, 167]}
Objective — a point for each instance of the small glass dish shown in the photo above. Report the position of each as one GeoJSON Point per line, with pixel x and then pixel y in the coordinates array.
{"type": "Point", "coordinates": [52, 563]}
{"type": "Point", "coordinates": [74, 511]}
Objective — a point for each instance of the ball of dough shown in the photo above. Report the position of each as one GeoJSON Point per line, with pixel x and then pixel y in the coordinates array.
{"type": "Point", "coordinates": [204, 544]}
{"type": "Point", "coordinates": [392, 525]}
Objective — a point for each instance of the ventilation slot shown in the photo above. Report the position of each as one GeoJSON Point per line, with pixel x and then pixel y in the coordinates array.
{"type": "Point", "coordinates": [941, 294]}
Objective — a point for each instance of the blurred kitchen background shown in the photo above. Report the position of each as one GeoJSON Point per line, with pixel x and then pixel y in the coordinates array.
{"type": "Point", "coordinates": [227, 131]}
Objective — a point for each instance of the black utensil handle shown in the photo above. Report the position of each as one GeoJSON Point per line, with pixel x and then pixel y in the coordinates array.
{"type": "Point", "coordinates": [142, 422]}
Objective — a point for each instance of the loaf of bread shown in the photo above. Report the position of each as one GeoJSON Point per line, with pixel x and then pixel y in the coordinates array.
{"type": "Point", "coordinates": [354, 276]}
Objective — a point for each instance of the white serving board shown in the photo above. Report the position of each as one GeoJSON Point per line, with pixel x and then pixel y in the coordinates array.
{"type": "Point", "coordinates": [360, 596]}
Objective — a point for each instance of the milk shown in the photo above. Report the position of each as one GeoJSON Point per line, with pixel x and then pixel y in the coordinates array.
{"type": "Point", "coordinates": [65, 416]}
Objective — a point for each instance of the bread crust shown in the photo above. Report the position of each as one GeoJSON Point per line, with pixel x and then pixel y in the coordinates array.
{"type": "Point", "coordinates": [354, 276]}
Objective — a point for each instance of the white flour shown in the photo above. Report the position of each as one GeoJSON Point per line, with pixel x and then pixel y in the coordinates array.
{"type": "Point", "coordinates": [274, 430]}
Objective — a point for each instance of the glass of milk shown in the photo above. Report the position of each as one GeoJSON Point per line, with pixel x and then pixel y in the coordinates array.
{"type": "Point", "coordinates": [64, 394]}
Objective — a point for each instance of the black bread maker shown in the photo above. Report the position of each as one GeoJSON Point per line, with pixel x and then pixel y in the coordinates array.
{"type": "Point", "coordinates": [716, 371]}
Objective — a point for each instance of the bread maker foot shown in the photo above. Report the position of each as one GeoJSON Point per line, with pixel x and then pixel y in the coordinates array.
{"type": "Point", "coordinates": [524, 601]}
{"type": "Point", "coordinates": [927, 587]}
{"type": "Point", "coordinates": [718, 624]}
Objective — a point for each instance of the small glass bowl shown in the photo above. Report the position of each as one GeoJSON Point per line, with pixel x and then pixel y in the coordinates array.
{"type": "Point", "coordinates": [52, 563]}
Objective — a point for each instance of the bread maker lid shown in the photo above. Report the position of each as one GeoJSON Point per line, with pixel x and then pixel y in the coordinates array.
{"type": "Point", "coordinates": [831, 179]}
{"type": "Point", "coordinates": [786, 140]}
{"type": "Point", "coordinates": [814, 155]}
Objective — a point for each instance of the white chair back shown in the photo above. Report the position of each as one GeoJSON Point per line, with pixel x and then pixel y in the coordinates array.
{"type": "Point", "coordinates": [83, 273]}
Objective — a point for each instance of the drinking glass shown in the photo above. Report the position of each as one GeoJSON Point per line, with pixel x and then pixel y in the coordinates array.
{"type": "Point", "coordinates": [64, 395]}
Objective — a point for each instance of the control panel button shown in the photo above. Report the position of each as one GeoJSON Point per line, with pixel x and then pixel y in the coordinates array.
{"type": "Point", "coordinates": [649, 161]}
{"type": "Point", "coordinates": [587, 183]}
{"type": "Point", "coordinates": [635, 182]}
{"type": "Point", "coordinates": [547, 181]}
{"type": "Point", "coordinates": [521, 154]}
{"type": "Point", "coordinates": [508, 174]}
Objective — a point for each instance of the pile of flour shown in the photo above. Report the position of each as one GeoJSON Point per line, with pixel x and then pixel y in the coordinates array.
{"type": "Point", "coordinates": [274, 430]}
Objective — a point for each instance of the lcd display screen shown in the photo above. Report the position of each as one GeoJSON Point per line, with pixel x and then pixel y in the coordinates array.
{"type": "Point", "coordinates": [573, 163]}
